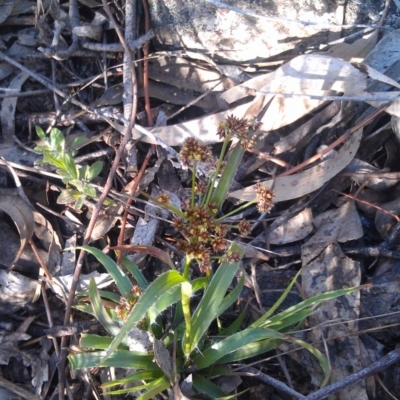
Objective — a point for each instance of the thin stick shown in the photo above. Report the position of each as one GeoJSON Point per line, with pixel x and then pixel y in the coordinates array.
{"type": "Point", "coordinates": [97, 207]}
{"type": "Point", "coordinates": [337, 142]}
{"type": "Point", "coordinates": [385, 362]}
{"type": "Point", "coordinates": [272, 382]}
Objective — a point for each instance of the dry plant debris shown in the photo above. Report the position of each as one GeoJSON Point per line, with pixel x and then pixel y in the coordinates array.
{"type": "Point", "coordinates": [324, 155]}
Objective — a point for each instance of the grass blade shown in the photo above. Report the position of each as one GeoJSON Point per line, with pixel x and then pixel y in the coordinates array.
{"type": "Point", "coordinates": [232, 343]}
{"type": "Point", "coordinates": [99, 310]}
{"type": "Point", "coordinates": [210, 304]}
{"type": "Point", "coordinates": [120, 278]}
{"type": "Point", "coordinates": [156, 289]}
{"type": "Point", "coordinates": [118, 359]}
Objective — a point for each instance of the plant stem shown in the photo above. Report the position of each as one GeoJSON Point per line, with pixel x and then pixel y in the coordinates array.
{"type": "Point", "coordinates": [193, 183]}
{"type": "Point", "coordinates": [217, 169]}
{"type": "Point", "coordinates": [168, 206]}
{"type": "Point", "coordinates": [186, 268]}
{"type": "Point", "coordinates": [236, 210]}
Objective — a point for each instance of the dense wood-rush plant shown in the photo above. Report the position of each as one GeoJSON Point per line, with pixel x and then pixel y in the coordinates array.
{"type": "Point", "coordinates": [195, 346]}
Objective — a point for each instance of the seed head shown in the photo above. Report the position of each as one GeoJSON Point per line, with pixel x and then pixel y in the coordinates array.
{"type": "Point", "coordinates": [244, 227]}
{"type": "Point", "coordinates": [219, 244]}
{"type": "Point", "coordinates": [232, 257]}
{"type": "Point", "coordinates": [193, 151]}
{"type": "Point", "coordinates": [232, 126]}
{"type": "Point", "coordinates": [265, 198]}
{"type": "Point", "coordinates": [163, 198]}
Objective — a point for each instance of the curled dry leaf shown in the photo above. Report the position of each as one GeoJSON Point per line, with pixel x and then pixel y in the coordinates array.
{"type": "Point", "coordinates": [22, 215]}
{"type": "Point", "coordinates": [8, 107]}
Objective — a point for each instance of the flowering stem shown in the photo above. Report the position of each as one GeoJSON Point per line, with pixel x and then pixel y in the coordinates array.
{"type": "Point", "coordinates": [227, 175]}
{"type": "Point", "coordinates": [186, 268]}
{"type": "Point", "coordinates": [217, 169]}
{"type": "Point", "coordinates": [193, 182]}
{"type": "Point", "coordinates": [168, 206]}
{"type": "Point", "coordinates": [236, 210]}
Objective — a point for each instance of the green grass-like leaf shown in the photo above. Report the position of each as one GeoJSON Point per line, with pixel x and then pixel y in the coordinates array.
{"type": "Point", "coordinates": [204, 385]}
{"type": "Point", "coordinates": [229, 172]}
{"type": "Point", "coordinates": [156, 387]}
{"type": "Point", "coordinates": [99, 310]}
{"type": "Point", "coordinates": [136, 376]}
{"type": "Point", "coordinates": [210, 304]}
{"type": "Point", "coordinates": [163, 283]}
{"type": "Point", "coordinates": [117, 359]}
{"type": "Point", "coordinates": [232, 343]}
{"type": "Point", "coordinates": [136, 273]}
{"type": "Point", "coordinates": [251, 350]}
{"type": "Point", "coordinates": [311, 302]}
{"type": "Point", "coordinates": [120, 278]}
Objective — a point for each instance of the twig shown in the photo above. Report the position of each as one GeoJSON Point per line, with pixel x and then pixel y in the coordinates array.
{"type": "Point", "coordinates": [74, 19]}
{"type": "Point", "coordinates": [337, 142]}
{"type": "Point", "coordinates": [273, 382]}
{"type": "Point", "coordinates": [146, 65]}
{"type": "Point", "coordinates": [386, 361]}
{"type": "Point", "coordinates": [129, 202]}
{"type": "Point", "coordinates": [368, 204]}
{"type": "Point", "coordinates": [373, 96]}
{"type": "Point", "coordinates": [138, 178]}
{"type": "Point", "coordinates": [117, 47]}
{"type": "Point", "coordinates": [96, 210]}
{"type": "Point", "coordinates": [351, 37]}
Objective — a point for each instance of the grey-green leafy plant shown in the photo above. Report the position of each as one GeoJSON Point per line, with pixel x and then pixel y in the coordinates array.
{"type": "Point", "coordinates": [56, 153]}
{"type": "Point", "coordinates": [195, 342]}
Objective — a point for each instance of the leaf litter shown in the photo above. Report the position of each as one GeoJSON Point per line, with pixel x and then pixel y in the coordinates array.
{"type": "Point", "coordinates": [335, 189]}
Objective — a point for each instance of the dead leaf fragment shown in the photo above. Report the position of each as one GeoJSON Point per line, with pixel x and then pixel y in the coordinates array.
{"type": "Point", "coordinates": [21, 214]}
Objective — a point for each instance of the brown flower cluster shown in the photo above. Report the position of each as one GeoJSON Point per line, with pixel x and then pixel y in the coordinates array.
{"type": "Point", "coordinates": [239, 128]}
{"type": "Point", "coordinates": [232, 257]}
{"type": "Point", "coordinates": [201, 233]}
{"type": "Point", "coordinates": [126, 304]}
{"type": "Point", "coordinates": [265, 198]}
{"type": "Point", "coordinates": [193, 151]}
{"type": "Point", "coordinates": [244, 227]}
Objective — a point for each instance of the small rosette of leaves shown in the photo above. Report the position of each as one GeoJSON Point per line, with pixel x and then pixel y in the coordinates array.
{"type": "Point", "coordinates": [56, 154]}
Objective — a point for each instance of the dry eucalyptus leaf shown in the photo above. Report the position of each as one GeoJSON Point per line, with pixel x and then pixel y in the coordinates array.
{"type": "Point", "coordinates": [179, 72]}
{"type": "Point", "coordinates": [105, 221]}
{"type": "Point", "coordinates": [385, 53]}
{"type": "Point", "coordinates": [342, 224]}
{"type": "Point", "coordinates": [22, 215]}
{"type": "Point", "coordinates": [356, 51]}
{"type": "Point", "coordinates": [139, 340]}
{"type": "Point", "coordinates": [62, 284]}
{"type": "Point", "coordinates": [384, 222]}
{"type": "Point", "coordinates": [297, 228]}
{"type": "Point", "coordinates": [362, 171]}
{"type": "Point", "coordinates": [306, 75]}
{"type": "Point", "coordinates": [297, 185]}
